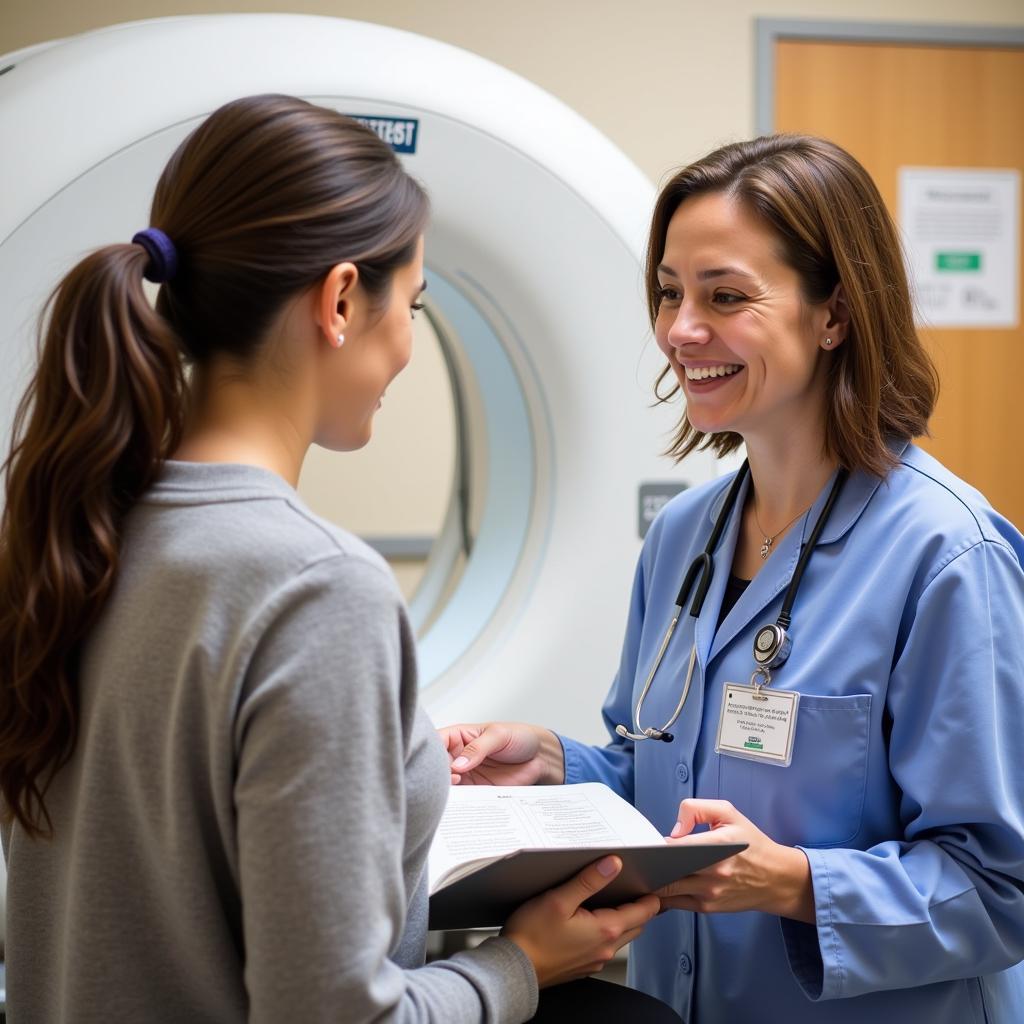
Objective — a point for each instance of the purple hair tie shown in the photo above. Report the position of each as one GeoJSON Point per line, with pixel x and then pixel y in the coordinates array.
{"type": "Point", "coordinates": [163, 257]}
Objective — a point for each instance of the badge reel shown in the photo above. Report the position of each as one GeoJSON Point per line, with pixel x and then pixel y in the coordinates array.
{"type": "Point", "coordinates": [756, 722]}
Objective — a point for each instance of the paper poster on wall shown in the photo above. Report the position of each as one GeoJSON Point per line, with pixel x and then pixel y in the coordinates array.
{"type": "Point", "coordinates": [961, 228]}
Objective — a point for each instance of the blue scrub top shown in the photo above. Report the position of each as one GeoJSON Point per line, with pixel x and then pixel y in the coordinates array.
{"type": "Point", "coordinates": [906, 788]}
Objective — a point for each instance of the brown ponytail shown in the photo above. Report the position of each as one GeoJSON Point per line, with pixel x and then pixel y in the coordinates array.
{"type": "Point", "coordinates": [105, 406]}
{"type": "Point", "coordinates": [260, 202]}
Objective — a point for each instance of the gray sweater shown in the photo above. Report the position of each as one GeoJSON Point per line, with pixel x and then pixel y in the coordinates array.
{"type": "Point", "coordinates": [242, 831]}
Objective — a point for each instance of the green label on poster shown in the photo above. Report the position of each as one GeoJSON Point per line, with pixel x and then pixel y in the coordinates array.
{"type": "Point", "coordinates": [958, 261]}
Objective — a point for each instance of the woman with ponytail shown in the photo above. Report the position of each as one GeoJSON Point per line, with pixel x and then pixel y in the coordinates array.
{"type": "Point", "coordinates": [217, 789]}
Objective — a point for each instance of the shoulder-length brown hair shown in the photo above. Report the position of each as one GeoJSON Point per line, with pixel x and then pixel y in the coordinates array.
{"type": "Point", "coordinates": [833, 228]}
{"type": "Point", "coordinates": [260, 201]}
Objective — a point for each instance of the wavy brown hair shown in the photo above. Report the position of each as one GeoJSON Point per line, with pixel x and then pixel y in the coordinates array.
{"type": "Point", "coordinates": [261, 200]}
{"type": "Point", "coordinates": [833, 228]}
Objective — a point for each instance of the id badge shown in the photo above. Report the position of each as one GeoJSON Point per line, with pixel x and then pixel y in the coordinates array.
{"type": "Point", "coordinates": [757, 723]}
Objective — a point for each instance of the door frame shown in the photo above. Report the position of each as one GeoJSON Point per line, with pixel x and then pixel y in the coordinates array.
{"type": "Point", "coordinates": [771, 30]}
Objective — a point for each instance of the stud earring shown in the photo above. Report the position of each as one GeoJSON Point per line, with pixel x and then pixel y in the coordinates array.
{"type": "Point", "coordinates": [341, 340]}
{"type": "Point", "coordinates": [828, 342]}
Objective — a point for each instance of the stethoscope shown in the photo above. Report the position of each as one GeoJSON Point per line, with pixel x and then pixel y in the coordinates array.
{"type": "Point", "coordinates": [771, 642]}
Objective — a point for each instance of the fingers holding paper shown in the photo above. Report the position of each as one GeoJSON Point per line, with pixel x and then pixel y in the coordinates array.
{"type": "Point", "coordinates": [766, 876]}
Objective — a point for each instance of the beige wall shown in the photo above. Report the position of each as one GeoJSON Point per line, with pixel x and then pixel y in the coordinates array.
{"type": "Point", "coordinates": [665, 79]}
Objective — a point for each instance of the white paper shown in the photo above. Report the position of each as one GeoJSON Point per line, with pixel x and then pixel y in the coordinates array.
{"type": "Point", "coordinates": [961, 229]}
{"type": "Point", "coordinates": [484, 823]}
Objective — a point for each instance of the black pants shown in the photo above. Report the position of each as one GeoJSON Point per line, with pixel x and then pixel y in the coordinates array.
{"type": "Point", "coordinates": [594, 1000]}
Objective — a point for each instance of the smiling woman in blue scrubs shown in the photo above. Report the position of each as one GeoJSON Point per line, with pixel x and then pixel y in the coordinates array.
{"type": "Point", "coordinates": [883, 806]}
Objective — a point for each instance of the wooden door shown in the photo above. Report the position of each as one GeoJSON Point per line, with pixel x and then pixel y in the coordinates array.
{"type": "Point", "coordinates": [893, 105]}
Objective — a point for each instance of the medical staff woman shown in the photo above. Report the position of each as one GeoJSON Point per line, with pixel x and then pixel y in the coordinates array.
{"type": "Point", "coordinates": [844, 688]}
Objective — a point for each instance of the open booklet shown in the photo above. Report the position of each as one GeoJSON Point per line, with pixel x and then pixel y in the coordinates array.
{"type": "Point", "coordinates": [498, 846]}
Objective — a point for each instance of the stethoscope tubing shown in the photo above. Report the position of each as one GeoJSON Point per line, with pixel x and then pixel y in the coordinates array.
{"type": "Point", "coordinates": [660, 734]}
{"type": "Point", "coordinates": [704, 565]}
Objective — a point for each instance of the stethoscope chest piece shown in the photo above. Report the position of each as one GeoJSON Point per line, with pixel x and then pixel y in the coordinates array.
{"type": "Point", "coordinates": [771, 646]}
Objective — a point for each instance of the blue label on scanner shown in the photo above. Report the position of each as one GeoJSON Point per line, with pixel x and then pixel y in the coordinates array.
{"type": "Point", "coordinates": [398, 132]}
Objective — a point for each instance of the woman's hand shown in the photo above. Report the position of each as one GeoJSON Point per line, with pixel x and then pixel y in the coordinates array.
{"type": "Point", "coordinates": [765, 876]}
{"type": "Point", "coordinates": [503, 754]}
{"type": "Point", "coordinates": [565, 941]}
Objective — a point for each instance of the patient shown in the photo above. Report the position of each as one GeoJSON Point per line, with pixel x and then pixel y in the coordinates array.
{"type": "Point", "coordinates": [218, 789]}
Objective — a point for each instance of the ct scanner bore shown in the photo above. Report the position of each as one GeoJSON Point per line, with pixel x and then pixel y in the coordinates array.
{"type": "Point", "coordinates": [534, 276]}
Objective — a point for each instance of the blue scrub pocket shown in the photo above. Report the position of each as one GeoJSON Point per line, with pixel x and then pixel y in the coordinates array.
{"type": "Point", "coordinates": [819, 799]}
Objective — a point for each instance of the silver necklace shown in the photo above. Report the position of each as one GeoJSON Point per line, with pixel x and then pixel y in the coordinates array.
{"type": "Point", "coordinates": [766, 543]}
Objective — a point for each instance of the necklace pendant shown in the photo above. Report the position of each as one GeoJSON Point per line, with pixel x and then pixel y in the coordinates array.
{"type": "Point", "coordinates": [766, 548]}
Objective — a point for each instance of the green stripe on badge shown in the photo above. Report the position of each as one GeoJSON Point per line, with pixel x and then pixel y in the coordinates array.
{"type": "Point", "coordinates": [958, 261]}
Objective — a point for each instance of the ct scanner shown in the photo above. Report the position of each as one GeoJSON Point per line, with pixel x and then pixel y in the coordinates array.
{"type": "Point", "coordinates": [535, 288]}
